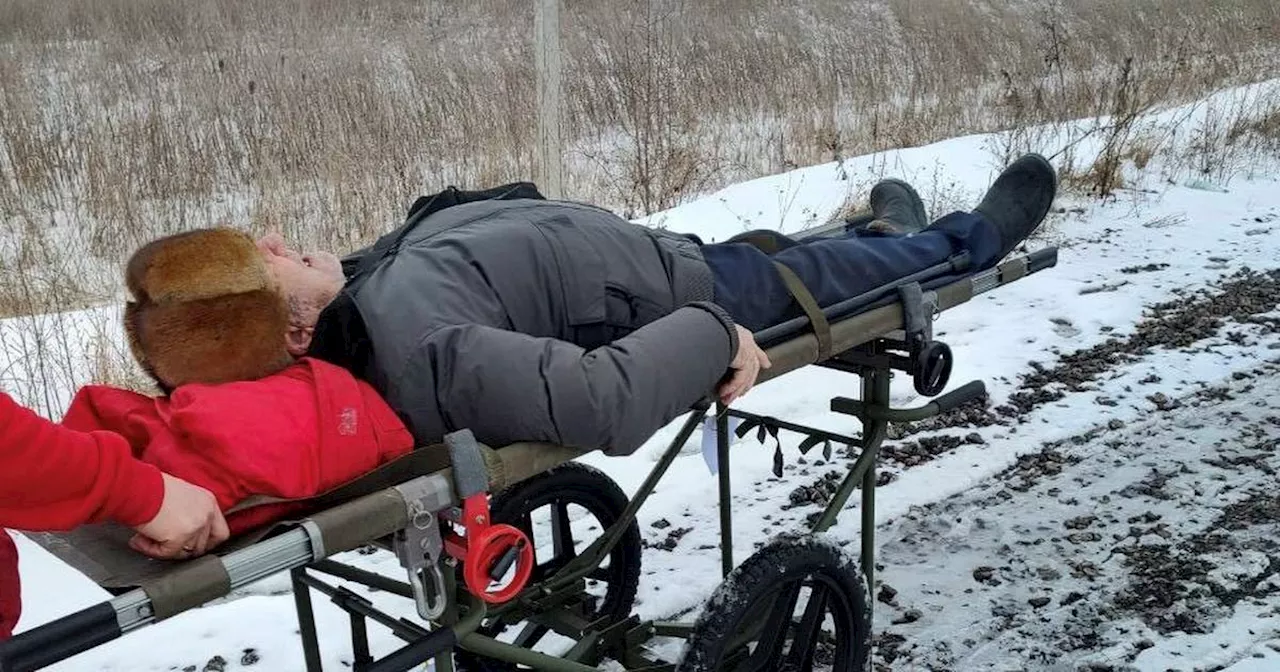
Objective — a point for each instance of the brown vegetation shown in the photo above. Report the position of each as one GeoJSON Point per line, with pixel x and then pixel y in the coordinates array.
{"type": "Point", "coordinates": [122, 120]}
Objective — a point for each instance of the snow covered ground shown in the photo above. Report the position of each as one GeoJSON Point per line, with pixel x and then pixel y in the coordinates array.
{"type": "Point", "coordinates": [1151, 544]}
{"type": "Point", "coordinates": [1113, 505]}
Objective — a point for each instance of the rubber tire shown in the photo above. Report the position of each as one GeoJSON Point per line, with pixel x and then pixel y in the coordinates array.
{"type": "Point", "coordinates": [779, 561]}
{"type": "Point", "coordinates": [607, 501]}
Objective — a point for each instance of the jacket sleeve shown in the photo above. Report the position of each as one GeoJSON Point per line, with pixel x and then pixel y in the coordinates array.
{"type": "Point", "coordinates": [10, 587]}
{"type": "Point", "coordinates": [55, 478]}
{"type": "Point", "coordinates": [507, 387]}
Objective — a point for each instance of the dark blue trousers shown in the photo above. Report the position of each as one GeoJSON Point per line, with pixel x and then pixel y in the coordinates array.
{"type": "Point", "coordinates": [748, 286]}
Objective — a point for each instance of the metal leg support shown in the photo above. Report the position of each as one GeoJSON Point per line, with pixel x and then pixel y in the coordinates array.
{"type": "Point", "coordinates": [359, 642]}
{"type": "Point", "coordinates": [876, 391]}
{"type": "Point", "coordinates": [726, 491]}
{"type": "Point", "coordinates": [306, 621]}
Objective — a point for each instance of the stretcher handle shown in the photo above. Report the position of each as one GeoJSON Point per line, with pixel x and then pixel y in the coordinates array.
{"type": "Point", "coordinates": [947, 402]}
{"type": "Point", "coordinates": [959, 396]}
{"type": "Point", "coordinates": [1042, 259]}
{"type": "Point", "coordinates": [58, 640]}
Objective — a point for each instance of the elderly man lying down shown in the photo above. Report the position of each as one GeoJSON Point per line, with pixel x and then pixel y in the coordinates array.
{"type": "Point", "coordinates": [526, 319]}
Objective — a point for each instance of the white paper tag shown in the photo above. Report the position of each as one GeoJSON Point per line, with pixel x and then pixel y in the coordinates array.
{"type": "Point", "coordinates": [710, 454]}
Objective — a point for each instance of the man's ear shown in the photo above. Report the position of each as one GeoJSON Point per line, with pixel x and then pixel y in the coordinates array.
{"type": "Point", "coordinates": [298, 339]}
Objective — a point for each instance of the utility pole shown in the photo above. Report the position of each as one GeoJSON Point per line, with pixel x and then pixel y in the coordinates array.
{"type": "Point", "coordinates": [546, 24]}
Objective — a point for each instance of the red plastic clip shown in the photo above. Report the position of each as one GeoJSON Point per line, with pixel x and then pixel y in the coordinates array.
{"type": "Point", "coordinates": [488, 552]}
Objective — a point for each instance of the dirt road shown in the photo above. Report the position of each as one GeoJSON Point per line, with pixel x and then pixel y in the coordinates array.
{"type": "Point", "coordinates": [1148, 546]}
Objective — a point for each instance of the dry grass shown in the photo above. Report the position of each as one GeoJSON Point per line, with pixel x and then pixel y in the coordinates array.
{"type": "Point", "coordinates": [122, 120]}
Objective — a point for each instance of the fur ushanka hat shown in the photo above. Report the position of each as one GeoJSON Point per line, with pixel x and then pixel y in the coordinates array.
{"type": "Point", "coordinates": [205, 309]}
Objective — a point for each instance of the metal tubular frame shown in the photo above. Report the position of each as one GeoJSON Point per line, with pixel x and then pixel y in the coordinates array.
{"type": "Point", "coordinates": [557, 602]}
{"type": "Point", "coordinates": [553, 603]}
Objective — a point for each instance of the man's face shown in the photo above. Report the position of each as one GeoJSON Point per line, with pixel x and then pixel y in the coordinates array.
{"type": "Point", "coordinates": [309, 277]}
{"type": "Point", "coordinates": [309, 282]}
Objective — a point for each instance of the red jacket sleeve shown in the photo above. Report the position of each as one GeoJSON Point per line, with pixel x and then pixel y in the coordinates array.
{"type": "Point", "coordinates": [55, 478]}
{"type": "Point", "coordinates": [10, 587]}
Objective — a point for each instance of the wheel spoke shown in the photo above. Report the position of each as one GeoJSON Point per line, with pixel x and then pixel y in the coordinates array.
{"type": "Point", "coordinates": [800, 657]}
{"type": "Point", "coordinates": [561, 531]}
{"type": "Point", "coordinates": [774, 634]}
{"type": "Point", "coordinates": [525, 524]}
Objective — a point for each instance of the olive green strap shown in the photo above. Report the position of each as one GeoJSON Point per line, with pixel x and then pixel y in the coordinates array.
{"type": "Point", "coordinates": [761, 240]}
{"type": "Point", "coordinates": [195, 583]}
{"type": "Point", "coordinates": [821, 328]}
{"type": "Point", "coordinates": [423, 460]}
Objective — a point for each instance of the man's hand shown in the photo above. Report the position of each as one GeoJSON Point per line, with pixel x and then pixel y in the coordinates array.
{"type": "Point", "coordinates": [188, 523]}
{"type": "Point", "coordinates": [746, 367]}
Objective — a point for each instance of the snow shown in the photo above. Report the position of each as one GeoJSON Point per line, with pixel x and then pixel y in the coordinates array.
{"type": "Point", "coordinates": [1101, 490]}
{"type": "Point", "coordinates": [1195, 230]}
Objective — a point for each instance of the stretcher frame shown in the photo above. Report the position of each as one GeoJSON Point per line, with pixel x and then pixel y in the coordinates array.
{"type": "Point", "coordinates": [863, 337]}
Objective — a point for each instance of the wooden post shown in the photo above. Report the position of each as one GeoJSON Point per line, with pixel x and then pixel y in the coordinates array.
{"type": "Point", "coordinates": [550, 164]}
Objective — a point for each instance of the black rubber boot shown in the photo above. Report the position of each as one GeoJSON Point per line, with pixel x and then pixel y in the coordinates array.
{"type": "Point", "coordinates": [895, 202]}
{"type": "Point", "coordinates": [858, 220]}
{"type": "Point", "coordinates": [895, 207]}
{"type": "Point", "coordinates": [1019, 199]}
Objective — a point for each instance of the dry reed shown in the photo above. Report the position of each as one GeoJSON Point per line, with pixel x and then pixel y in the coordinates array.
{"type": "Point", "coordinates": [122, 120]}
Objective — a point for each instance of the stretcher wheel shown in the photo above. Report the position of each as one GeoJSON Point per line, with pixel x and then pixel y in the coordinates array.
{"type": "Point", "coordinates": [571, 484]}
{"type": "Point", "coordinates": [932, 368]}
{"type": "Point", "coordinates": [760, 601]}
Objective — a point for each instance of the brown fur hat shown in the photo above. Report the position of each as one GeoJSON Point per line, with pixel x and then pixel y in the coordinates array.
{"type": "Point", "coordinates": [205, 310]}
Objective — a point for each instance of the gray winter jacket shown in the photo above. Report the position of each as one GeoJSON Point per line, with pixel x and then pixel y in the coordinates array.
{"type": "Point", "coordinates": [532, 320]}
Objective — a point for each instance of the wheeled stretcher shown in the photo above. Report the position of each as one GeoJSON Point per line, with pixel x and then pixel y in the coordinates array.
{"type": "Point", "coordinates": [458, 517]}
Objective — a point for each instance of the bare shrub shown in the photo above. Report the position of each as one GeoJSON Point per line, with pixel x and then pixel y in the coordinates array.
{"type": "Point", "coordinates": [1234, 134]}
{"type": "Point", "coordinates": [1267, 129]}
{"type": "Point", "coordinates": [110, 362]}
{"type": "Point", "coordinates": [939, 190]}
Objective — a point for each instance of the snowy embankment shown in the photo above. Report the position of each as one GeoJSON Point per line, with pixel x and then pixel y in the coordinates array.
{"type": "Point", "coordinates": [1067, 356]}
